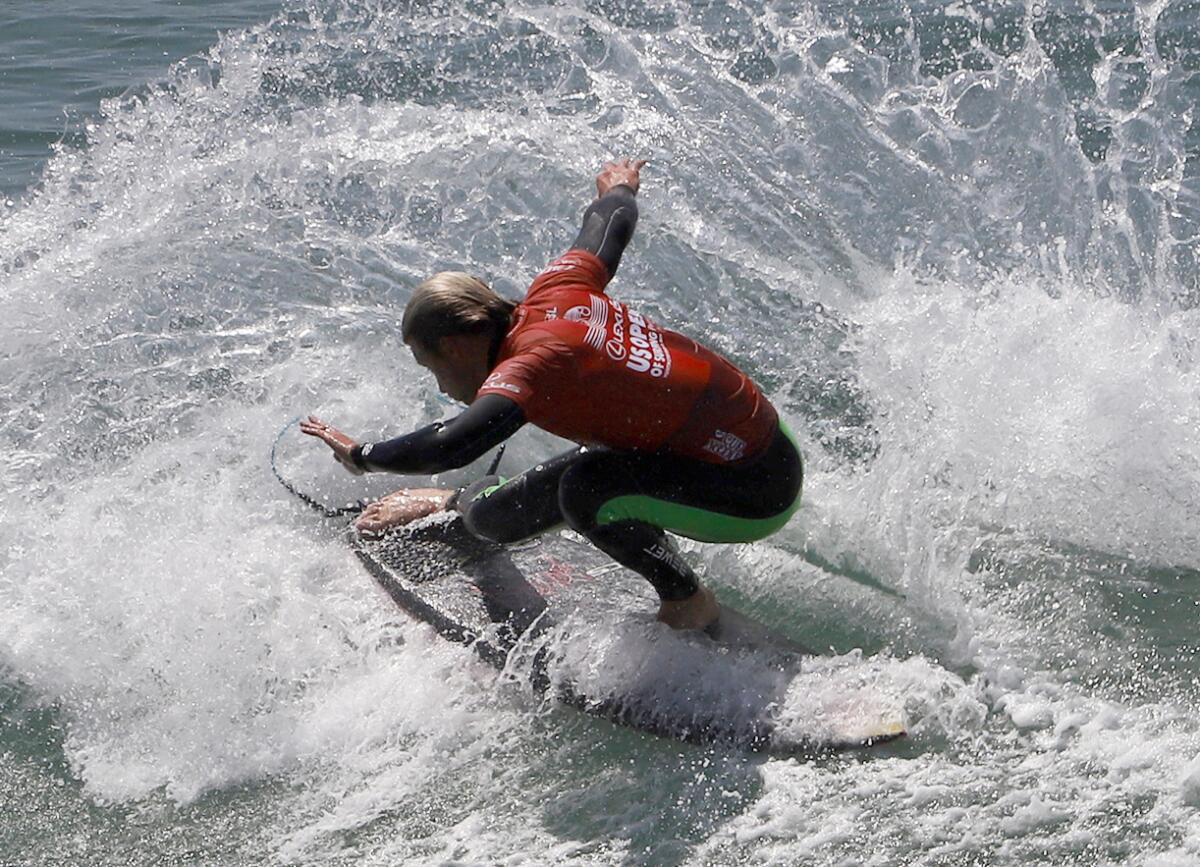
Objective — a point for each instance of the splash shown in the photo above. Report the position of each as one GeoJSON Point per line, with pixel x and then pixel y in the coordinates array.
{"type": "Point", "coordinates": [955, 244]}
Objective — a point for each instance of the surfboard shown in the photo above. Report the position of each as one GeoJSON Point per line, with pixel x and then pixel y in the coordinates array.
{"type": "Point", "coordinates": [560, 615]}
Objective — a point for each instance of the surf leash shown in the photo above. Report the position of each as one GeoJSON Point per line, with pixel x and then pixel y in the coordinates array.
{"type": "Point", "coordinates": [495, 464]}
{"type": "Point", "coordinates": [350, 508]}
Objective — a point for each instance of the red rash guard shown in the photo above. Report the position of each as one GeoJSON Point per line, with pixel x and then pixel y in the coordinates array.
{"type": "Point", "coordinates": [585, 367]}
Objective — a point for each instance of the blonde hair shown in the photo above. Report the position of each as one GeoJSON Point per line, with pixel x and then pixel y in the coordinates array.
{"type": "Point", "coordinates": [454, 302]}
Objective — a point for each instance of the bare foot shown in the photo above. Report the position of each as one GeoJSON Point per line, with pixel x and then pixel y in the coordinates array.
{"type": "Point", "coordinates": [401, 507]}
{"type": "Point", "coordinates": [698, 611]}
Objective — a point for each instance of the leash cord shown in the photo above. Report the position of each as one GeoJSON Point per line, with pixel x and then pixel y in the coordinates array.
{"type": "Point", "coordinates": [349, 509]}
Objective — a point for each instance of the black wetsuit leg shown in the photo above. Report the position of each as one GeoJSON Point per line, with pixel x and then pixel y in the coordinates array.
{"type": "Point", "coordinates": [507, 511]}
{"type": "Point", "coordinates": [622, 501]}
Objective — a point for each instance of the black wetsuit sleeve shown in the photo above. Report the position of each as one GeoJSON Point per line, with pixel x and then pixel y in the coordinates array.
{"type": "Point", "coordinates": [487, 422]}
{"type": "Point", "coordinates": [608, 224]}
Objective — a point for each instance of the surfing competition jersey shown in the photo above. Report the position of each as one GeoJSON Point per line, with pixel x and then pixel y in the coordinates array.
{"type": "Point", "coordinates": [588, 368]}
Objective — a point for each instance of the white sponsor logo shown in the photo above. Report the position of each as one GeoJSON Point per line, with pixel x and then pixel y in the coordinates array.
{"type": "Point", "coordinates": [624, 335]}
{"type": "Point", "coordinates": [494, 381]}
{"type": "Point", "coordinates": [615, 347]}
{"type": "Point", "coordinates": [726, 446]}
{"type": "Point", "coordinates": [666, 555]}
{"type": "Point", "coordinates": [597, 323]}
{"type": "Point", "coordinates": [647, 351]}
{"type": "Point", "coordinates": [595, 315]}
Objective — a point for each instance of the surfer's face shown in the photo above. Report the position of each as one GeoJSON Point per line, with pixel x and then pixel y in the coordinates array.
{"type": "Point", "coordinates": [459, 364]}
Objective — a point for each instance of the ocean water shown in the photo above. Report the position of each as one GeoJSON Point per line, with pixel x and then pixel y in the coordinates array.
{"type": "Point", "coordinates": [955, 242]}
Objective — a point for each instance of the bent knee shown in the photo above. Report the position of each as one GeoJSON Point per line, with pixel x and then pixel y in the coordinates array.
{"type": "Point", "coordinates": [583, 489]}
{"type": "Point", "coordinates": [486, 521]}
{"type": "Point", "coordinates": [481, 515]}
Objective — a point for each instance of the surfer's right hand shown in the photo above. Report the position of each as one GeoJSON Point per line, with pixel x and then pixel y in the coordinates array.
{"type": "Point", "coordinates": [401, 507]}
{"type": "Point", "coordinates": [622, 172]}
{"type": "Point", "coordinates": [341, 444]}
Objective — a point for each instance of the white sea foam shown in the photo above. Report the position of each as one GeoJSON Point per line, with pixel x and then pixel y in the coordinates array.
{"type": "Point", "coordinates": [982, 337]}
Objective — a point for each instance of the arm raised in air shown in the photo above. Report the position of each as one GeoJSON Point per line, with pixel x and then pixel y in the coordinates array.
{"type": "Point", "coordinates": [609, 221]}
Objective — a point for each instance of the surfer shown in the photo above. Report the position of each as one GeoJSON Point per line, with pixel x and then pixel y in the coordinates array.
{"type": "Point", "coordinates": [672, 436]}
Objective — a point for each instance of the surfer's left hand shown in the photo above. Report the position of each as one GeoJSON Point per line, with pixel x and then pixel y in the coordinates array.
{"type": "Point", "coordinates": [335, 439]}
{"type": "Point", "coordinates": [401, 507]}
